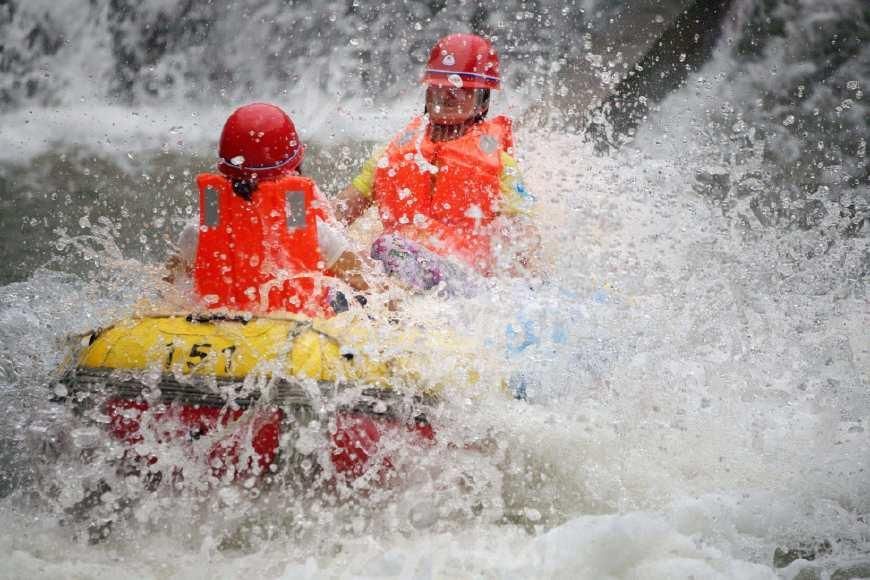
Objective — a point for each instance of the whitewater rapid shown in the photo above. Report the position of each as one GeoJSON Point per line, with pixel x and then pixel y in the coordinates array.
{"type": "Point", "coordinates": [689, 411]}
{"type": "Point", "coordinates": [698, 384]}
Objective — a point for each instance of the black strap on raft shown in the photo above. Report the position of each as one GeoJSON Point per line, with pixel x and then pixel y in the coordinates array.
{"type": "Point", "coordinates": [243, 318]}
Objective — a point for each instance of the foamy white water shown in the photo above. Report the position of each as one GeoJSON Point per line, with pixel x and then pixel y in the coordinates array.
{"type": "Point", "coordinates": [689, 410]}
{"type": "Point", "coordinates": [698, 388]}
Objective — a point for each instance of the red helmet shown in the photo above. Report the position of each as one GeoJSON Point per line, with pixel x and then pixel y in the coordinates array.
{"type": "Point", "coordinates": [463, 60]}
{"type": "Point", "coordinates": [259, 140]}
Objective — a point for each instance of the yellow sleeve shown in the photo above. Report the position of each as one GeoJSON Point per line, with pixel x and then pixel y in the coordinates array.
{"type": "Point", "coordinates": [365, 179]}
{"type": "Point", "coordinates": [515, 198]}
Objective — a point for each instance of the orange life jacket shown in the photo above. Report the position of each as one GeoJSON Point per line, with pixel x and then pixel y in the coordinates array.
{"type": "Point", "coordinates": [260, 255]}
{"type": "Point", "coordinates": [444, 195]}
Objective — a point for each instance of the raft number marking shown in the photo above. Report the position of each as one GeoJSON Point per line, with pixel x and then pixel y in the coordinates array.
{"type": "Point", "coordinates": [198, 353]}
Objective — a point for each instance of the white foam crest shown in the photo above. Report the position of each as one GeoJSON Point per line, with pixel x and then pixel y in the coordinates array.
{"type": "Point", "coordinates": [116, 131]}
{"type": "Point", "coordinates": [646, 545]}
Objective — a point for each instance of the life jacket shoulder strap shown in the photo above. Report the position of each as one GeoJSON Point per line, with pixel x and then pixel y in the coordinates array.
{"type": "Point", "coordinates": [212, 188]}
{"type": "Point", "coordinates": [218, 181]}
{"type": "Point", "coordinates": [407, 137]}
{"type": "Point", "coordinates": [299, 195]}
{"type": "Point", "coordinates": [501, 127]}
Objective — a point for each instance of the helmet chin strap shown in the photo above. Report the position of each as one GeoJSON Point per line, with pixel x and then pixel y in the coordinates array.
{"type": "Point", "coordinates": [449, 131]}
{"type": "Point", "coordinates": [245, 187]}
{"type": "Point", "coordinates": [444, 132]}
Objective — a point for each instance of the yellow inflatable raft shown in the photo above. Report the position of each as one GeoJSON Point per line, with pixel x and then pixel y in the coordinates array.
{"type": "Point", "coordinates": [236, 361]}
{"type": "Point", "coordinates": [174, 379]}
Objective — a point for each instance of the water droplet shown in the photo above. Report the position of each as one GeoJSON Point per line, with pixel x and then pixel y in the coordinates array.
{"type": "Point", "coordinates": [532, 514]}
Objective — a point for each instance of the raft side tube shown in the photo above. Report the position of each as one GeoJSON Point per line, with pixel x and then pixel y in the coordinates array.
{"type": "Point", "coordinates": [86, 386]}
{"type": "Point", "coordinates": [229, 348]}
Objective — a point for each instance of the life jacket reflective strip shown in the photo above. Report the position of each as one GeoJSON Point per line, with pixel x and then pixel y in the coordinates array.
{"type": "Point", "coordinates": [260, 255]}
{"type": "Point", "coordinates": [444, 195]}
